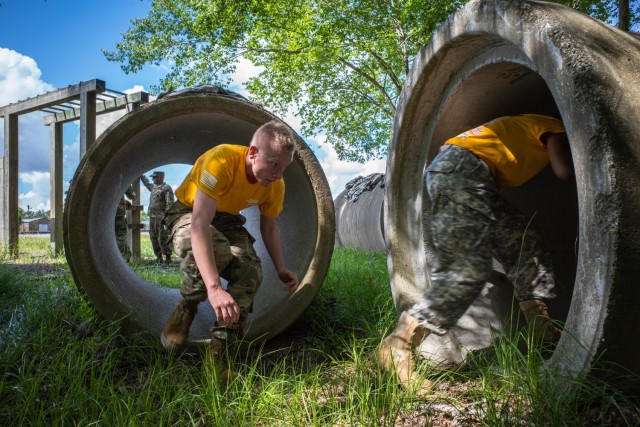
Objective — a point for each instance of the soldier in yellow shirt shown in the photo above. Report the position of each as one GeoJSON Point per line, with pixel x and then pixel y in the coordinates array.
{"type": "Point", "coordinates": [472, 223]}
{"type": "Point", "coordinates": [207, 233]}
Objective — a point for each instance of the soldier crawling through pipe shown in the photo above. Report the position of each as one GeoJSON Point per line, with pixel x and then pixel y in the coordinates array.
{"type": "Point", "coordinates": [207, 232]}
{"type": "Point", "coordinates": [471, 223]}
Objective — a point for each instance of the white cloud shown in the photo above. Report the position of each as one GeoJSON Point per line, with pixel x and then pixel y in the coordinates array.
{"type": "Point", "coordinates": [70, 158]}
{"type": "Point", "coordinates": [19, 77]}
{"type": "Point", "coordinates": [339, 172]}
{"type": "Point", "coordinates": [244, 71]}
{"type": "Point", "coordinates": [37, 198]}
{"type": "Point", "coordinates": [134, 89]}
{"type": "Point", "coordinates": [19, 80]}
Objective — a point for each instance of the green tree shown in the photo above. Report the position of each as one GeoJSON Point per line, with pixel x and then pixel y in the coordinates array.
{"type": "Point", "coordinates": [41, 213]}
{"type": "Point", "coordinates": [340, 64]}
{"type": "Point", "coordinates": [624, 14]}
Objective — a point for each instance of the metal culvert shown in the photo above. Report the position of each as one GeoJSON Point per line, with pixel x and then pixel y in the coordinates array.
{"type": "Point", "coordinates": [177, 129]}
{"type": "Point", "coordinates": [359, 214]}
{"type": "Point", "coordinates": [494, 58]}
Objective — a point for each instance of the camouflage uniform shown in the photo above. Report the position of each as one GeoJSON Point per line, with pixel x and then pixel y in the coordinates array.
{"type": "Point", "coordinates": [160, 200]}
{"type": "Point", "coordinates": [236, 260]}
{"type": "Point", "coordinates": [471, 223]}
{"type": "Point", "coordinates": [121, 226]}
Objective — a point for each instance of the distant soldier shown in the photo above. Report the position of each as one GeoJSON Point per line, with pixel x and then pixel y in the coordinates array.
{"type": "Point", "coordinates": [121, 222]}
{"type": "Point", "coordinates": [160, 200]}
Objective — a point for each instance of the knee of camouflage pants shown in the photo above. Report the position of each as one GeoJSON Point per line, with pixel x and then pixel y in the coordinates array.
{"type": "Point", "coordinates": [192, 286]}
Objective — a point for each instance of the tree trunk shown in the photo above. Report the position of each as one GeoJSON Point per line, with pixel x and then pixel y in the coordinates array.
{"type": "Point", "coordinates": [624, 17]}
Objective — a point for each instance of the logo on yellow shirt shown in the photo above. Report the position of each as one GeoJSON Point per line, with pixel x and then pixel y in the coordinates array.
{"type": "Point", "coordinates": [207, 180]}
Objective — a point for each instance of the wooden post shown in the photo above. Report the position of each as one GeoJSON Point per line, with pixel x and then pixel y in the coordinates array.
{"type": "Point", "coordinates": [136, 226]}
{"type": "Point", "coordinates": [55, 213]}
{"type": "Point", "coordinates": [9, 221]}
{"type": "Point", "coordinates": [87, 121]}
{"type": "Point", "coordinates": [4, 233]}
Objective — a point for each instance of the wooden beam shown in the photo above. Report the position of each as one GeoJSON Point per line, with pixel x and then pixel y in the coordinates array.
{"type": "Point", "coordinates": [102, 107]}
{"type": "Point", "coordinates": [53, 98]}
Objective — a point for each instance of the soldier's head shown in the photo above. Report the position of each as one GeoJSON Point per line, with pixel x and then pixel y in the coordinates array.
{"type": "Point", "coordinates": [270, 152]}
{"type": "Point", "coordinates": [158, 177]}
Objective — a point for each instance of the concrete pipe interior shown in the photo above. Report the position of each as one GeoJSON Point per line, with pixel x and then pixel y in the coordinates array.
{"type": "Point", "coordinates": [495, 58]}
{"type": "Point", "coordinates": [177, 129]}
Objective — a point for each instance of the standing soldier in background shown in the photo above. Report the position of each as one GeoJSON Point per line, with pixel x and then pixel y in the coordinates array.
{"type": "Point", "coordinates": [160, 200]}
{"type": "Point", "coordinates": [121, 222]}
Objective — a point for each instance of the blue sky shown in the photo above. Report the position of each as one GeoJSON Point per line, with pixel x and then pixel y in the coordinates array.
{"type": "Point", "coordinates": [48, 45]}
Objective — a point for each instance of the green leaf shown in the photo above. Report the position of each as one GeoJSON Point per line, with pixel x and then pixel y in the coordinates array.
{"type": "Point", "coordinates": [339, 64]}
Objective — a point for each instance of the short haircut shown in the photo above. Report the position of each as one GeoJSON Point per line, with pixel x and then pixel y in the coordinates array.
{"type": "Point", "coordinates": [277, 133]}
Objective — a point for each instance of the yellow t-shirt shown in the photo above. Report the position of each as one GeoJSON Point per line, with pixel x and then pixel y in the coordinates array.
{"type": "Point", "coordinates": [220, 173]}
{"type": "Point", "coordinates": [511, 146]}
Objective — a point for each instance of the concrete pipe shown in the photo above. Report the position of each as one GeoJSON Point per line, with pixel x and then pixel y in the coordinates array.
{"type": "Point", "coordinates": [494, 58]}
{"type": "Point", "coordinates": [359, 214]}
{"type": "Point", "coordinates": [177, 129]}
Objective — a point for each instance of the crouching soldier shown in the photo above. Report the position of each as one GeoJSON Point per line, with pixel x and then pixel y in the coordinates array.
{"type": "Point", "coordinates": [471, 224]}
{"type": "Point", "coordinates": [207, 232]}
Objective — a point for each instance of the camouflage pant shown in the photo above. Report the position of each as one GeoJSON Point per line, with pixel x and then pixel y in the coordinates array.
{"type": "Point", "coordinates": [121, 234]}
{"type": "Point", "coordinates": [470, 224]}
{"type": "Point", "coordinates": [159, 236]}
{"type": "Point", "coordinates": [236, 260]}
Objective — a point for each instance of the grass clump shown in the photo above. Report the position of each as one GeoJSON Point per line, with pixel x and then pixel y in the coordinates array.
{"type": "Point", "coordinates": [61, 364]}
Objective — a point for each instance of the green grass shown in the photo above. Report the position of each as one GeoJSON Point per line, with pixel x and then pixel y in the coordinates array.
{"type": "Point", "coordinates": [60, 364]}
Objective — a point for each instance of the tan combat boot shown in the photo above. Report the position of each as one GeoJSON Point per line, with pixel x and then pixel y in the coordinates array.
{"type": "Point", "coordinates": [537, 315]}
{"type": "Point", "coordinates": [395, 353]}
{"type": "Point", "coordinates": [175, 333]}
{"type": "Point", "coordinates": [218, 354]}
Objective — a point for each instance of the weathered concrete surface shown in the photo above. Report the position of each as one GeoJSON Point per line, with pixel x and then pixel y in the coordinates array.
{"type": "Point", "coordinates": [177, 129]}
{"type": "Point", "coordinates": [494, 58]}
{"type": "Point", "coordinates": [359, 214]}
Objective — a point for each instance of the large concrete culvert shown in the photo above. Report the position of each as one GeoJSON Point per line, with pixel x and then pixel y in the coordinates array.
{"type": "Point", "coordinates": [494, 58]}
{"type": "Point", "coordinates": [177, 129]}
{"type": "Point", "coordinates": [359, 214]}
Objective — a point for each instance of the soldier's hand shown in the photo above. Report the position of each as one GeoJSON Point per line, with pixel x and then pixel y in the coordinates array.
{"type": "Point", "coordinates": [226, 309]}
{"type": "Point", "coordinates": [290, 278]}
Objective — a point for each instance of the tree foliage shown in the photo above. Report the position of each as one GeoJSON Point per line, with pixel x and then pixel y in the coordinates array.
{"type": "Point", "coordinates": [29, 214]}
{"type": "Point", "coordinates": [339, 64]}
{"type": "Point", "coordinates": [624, 14]}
